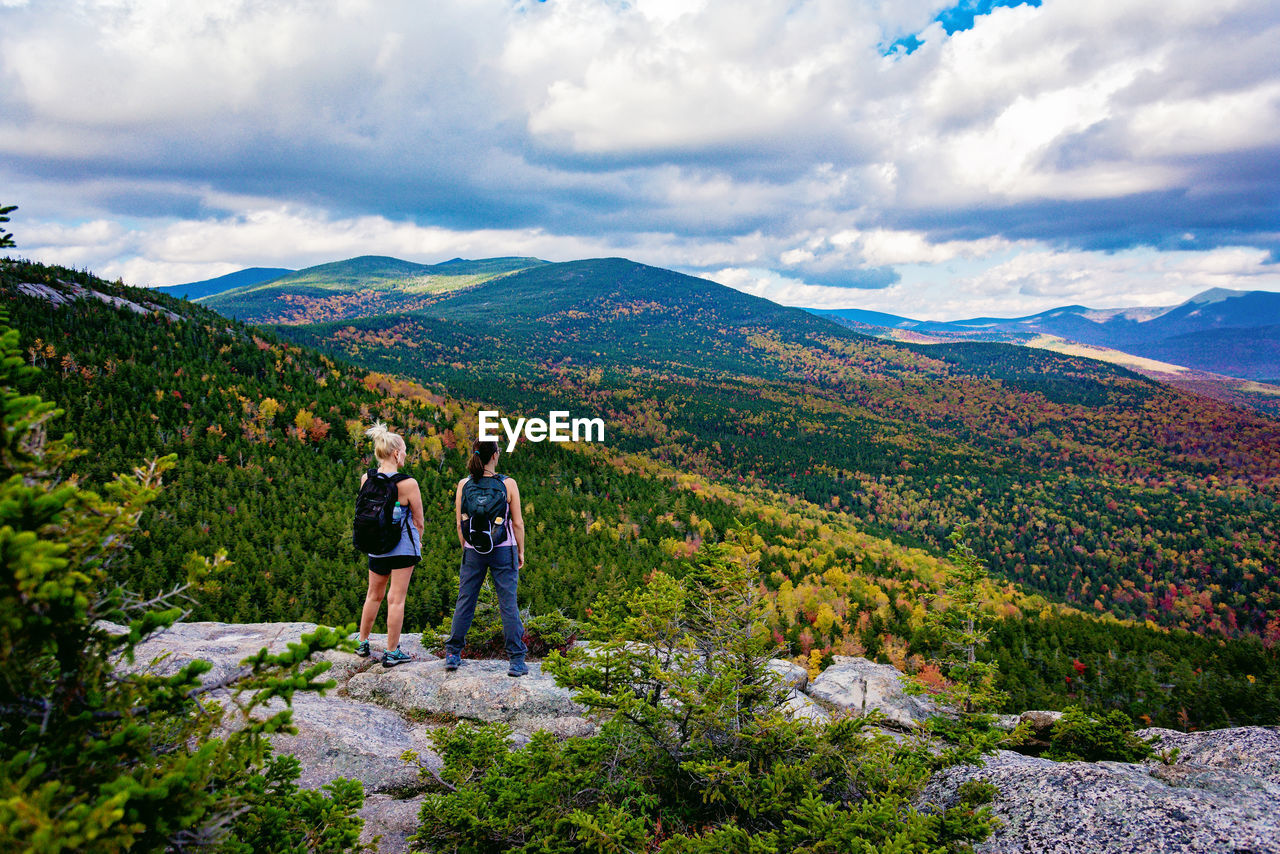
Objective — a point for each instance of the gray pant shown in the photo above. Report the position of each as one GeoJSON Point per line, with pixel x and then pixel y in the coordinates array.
{"type": "Point", "coordinates": [501, 565]}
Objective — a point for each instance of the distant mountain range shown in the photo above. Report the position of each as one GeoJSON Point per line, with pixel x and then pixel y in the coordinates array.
{"type": "Point", "coordinates": [1221, 343]}
{"type": "Point", "coordinates": [1236, 333]}
{"type": "Point", "coordinates": [1227, 332]}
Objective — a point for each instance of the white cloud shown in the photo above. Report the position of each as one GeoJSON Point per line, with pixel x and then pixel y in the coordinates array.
{"type": "Point", "coordinates": [1208, 124]}
{"type": "Point", "coordinates": [1033, 281]}
{"type": "Point", "coordinates": [883, 246]}
{"type": "Point", "coordinates": [715, 74]}
{"type": "Point", "coordinates": [780, 289]}
{"type": "Point", "coordinates": [99, 232]}
{"type": "Point", "coordinates": [767, 135]}
{"type": "Point", "coordinates": [1027, 282]}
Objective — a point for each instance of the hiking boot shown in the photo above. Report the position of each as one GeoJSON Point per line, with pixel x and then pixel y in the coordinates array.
{"type": "Point", "coordinates": [518, 667]}
{"type": "Point", "coordinates": [452, 661]}
{"type": "Point", "coordinates": [362, 649]}
{"type": "Point", "coordinates": [394, 657]}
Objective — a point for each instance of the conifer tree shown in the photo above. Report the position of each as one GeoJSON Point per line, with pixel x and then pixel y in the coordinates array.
{"type": "Point", "coordinates": [6, 238]}
{"type": "Point", "coordinates": [962, 628]}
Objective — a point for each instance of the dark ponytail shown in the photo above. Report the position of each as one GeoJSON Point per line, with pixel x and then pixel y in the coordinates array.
{"type": "Point", "coordinates": [481, 453]}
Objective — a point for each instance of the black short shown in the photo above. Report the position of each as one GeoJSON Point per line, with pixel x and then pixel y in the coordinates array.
{"type": "Point", "coordinates": [384, 565]}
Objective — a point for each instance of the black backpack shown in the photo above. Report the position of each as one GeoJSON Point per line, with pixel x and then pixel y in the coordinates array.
{"type": "Point", "coordinates": [374, 533]}
{"type": "Point", "coordinates": [484, 512]}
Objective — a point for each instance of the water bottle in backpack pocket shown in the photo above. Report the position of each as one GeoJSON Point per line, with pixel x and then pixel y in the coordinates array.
{"type": "Point", "coordinates": [484, 512]}
{"type": "Point", "coordinates": [375, 530]}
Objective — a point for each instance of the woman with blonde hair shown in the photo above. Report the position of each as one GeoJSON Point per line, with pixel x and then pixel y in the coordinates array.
{"type": "Point", "coordinates": [390, 571]}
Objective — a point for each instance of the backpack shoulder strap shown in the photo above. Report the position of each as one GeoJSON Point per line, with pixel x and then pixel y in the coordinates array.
{"type": "Point", "coordinates": [394, 478]}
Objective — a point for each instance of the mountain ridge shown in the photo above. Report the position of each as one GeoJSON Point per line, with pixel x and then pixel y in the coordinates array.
{"type": "Point", "coordinates": [219, 284]}
{"type": "Point", "coordinates": [372, 284]}
{"type": "Point", "coordinates": [1210, 296]}
{"type": "Point", "coordinates": [339, 288]}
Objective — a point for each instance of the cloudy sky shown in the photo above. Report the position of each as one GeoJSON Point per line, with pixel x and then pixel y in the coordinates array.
{"type": "Point", "coordinates": [920, 157]}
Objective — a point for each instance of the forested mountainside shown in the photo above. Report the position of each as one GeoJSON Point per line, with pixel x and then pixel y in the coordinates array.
{"type": "Point", "coordinates": [270, 443]}
{"type": "Point", "coordinates": [267, 435]}
{"type": "Point", "coordinates": [1235, 352]}
{"type": "Point", "coordinates": [1083, 481]}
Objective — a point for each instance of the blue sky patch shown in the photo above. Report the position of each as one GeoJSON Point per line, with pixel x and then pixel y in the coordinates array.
{"type": "Point", "coordinates": [960, 17]}
{"type": "Point", "coordinates": [955, 19]}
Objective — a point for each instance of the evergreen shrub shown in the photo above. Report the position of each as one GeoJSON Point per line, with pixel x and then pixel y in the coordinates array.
{"type": "Point", "coordinates": [1096, 737]}
{"type": "Point", "coordinates": [695, 752]}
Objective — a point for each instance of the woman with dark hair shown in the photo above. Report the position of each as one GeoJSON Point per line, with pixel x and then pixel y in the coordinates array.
{"type": "Point", "coordinates": [491, 533]}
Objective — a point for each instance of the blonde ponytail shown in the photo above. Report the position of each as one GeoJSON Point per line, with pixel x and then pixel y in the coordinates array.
{"type": "Point", "coordinates": [385, 443]}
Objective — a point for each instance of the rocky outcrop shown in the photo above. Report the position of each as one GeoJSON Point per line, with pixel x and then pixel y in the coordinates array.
{"type": "Point", "coordinates": [70, 292]}
{"type": "Point", "coordinates": [1221, 797]}
{"type": "Point", "coordinates": [799, 707]}
{"type": "Point", "coordinates": [792, 675]}
{"type": "Point", "coordinates": [1039, 724]}
{"type": "Point", "coordinates": [857, 686]}
{"type": "Point", "coordinates": [1251, 751]}
{"type": "Point", "coordinates": [224, 645]}
{"type": "Point", "coordinates": [336, 737]}
{"type": "Point", "coordinates": [360, 728]}
{"type": "Point", "coordinates": [391, 820]}
{"type": "Point", "coordinates": [362, 741]}
{"type": "Point", "coordinates": [1220, 792]}
{"type": "Point", "coordinates": [479, 691]}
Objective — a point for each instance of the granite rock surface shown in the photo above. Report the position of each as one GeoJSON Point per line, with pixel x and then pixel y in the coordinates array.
{"type": "Point", "coordinates": [857, 686]}
{"type": "Point", "coordinates": [1215, 791]}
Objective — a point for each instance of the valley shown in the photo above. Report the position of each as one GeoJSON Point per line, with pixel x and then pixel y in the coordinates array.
{"type": "Point", "coordinates": [1221, 343]}
{"type": "Point", "coordinates": [1083, 481]}
{"type": "Point", "coordinates": [722, 409]}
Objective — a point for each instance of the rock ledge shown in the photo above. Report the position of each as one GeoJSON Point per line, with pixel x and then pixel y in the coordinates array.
{"type": "Point", "coordinates": [1222, 794]}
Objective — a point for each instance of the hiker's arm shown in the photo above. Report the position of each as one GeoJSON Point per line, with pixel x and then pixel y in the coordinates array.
{"type": "Point", "coordinates": [517, 518]}
{"type": "Point", "coordinates": [457, 514]}
{"type": "Point", "coordinates": [413, 497]}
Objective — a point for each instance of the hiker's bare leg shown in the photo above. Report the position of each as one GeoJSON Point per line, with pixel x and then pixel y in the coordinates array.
{"type": "Point", "coordinates": [396, 592]}
{"type": "Point", "coordinates": [372, 601]}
